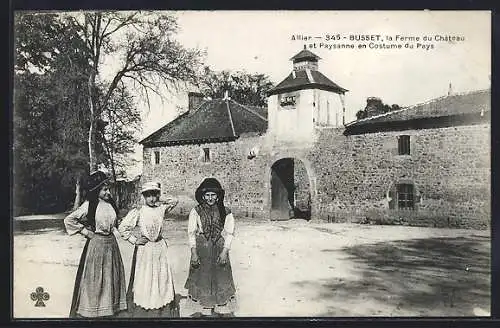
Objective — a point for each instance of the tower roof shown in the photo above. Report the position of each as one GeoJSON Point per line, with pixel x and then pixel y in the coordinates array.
{"type": "Point", "coordinates": [301, 80]}
{"type": "Point", "coordinates": [304, 55]}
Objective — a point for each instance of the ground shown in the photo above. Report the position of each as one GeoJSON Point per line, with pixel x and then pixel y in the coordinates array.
{"type": "Point", "coordinates": [291, 268]}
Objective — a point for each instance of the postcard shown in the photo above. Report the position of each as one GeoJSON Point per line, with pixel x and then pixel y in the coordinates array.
{"type": "Point", "coordinates": [196, 164]}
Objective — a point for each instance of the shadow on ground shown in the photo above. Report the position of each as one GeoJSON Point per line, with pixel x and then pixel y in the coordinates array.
{"type": "Point", "coordinates": [422, 277]}
{"type": "Point", "coordinates": [36, 227]}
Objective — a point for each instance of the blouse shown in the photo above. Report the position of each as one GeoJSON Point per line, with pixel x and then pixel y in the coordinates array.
{"type": "Point", "coordinates": [150, 227]}
{"type": "Point", "coordinates": [195, 228]}
{"type": "Point", "coordinates": [148, 219]}
{"type": "Point", "coordinates": [105, 219]}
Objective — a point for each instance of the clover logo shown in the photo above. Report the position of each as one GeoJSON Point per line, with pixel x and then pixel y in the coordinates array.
{"type": "Point", "coordinates": [39, 296]}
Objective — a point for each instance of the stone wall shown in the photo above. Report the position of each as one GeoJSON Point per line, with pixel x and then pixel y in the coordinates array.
{"type": "Point", "coordinates": [350, 177]}
{"type": "Point", "coordinates": [449, 168]}
{"type": "Point", "coordinates": [182, 168]}
{"type": "Point", "coordinates": [302, 186]}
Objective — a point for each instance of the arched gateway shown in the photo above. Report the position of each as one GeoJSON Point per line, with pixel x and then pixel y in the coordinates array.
{"type": "Point", "coordinates": [290, 190]}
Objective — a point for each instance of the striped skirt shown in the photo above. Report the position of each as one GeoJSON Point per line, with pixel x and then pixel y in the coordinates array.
{"type": "Point", "coordinates": [100, 280]}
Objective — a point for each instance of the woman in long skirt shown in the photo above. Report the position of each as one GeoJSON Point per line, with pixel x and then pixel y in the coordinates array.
{"type": "Point", "coordinates": [100, 280]}
{"type": "Point", "coordinates": [151, 290]}
{"type": "Point", "coordinates": [210, 229]}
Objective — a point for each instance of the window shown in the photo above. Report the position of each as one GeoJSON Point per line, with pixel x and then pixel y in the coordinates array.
{"type": "Point", "coordinates": [288, 101]}
{"type": "Point", "coordinates": [206, 154]}
{"type": "Point", "coordinates": [405, 196]}
{"type": "Point", "coordinates": [157, 157]}
{"type": "Point", "coordinates": [404, 145]}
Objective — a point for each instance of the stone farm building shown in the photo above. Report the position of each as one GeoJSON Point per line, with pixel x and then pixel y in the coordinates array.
{"type": "Point", "coordinates": [425, 165]}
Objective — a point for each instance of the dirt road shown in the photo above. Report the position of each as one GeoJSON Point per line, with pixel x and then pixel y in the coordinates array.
{"type": "Point", "coordinates": [295, 268]}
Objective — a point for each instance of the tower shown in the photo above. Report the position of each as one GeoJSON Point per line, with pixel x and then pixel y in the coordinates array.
{"type": "Point", "coordinates": [306, 99]}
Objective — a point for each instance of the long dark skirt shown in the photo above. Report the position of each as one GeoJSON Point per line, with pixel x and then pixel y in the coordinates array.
{"type": "Point", "coordinates": [210, 284]}
{"type": "Point", "coordinates": [171, 310]}
{"type": "Point", "coordinates": [100, 280]}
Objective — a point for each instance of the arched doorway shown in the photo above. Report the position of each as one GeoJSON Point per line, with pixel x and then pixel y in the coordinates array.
{"type": "Point", "coordinates": [290, 190]}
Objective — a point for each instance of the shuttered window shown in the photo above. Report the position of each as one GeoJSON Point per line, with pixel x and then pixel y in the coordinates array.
{"type": "Point", "coordinates": [404, 145]}
{"type": "Point", "coordinates": [206, 154]}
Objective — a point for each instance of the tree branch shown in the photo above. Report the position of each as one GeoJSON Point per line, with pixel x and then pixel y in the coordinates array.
{"type": "Point", "coordinates": [128, 21]}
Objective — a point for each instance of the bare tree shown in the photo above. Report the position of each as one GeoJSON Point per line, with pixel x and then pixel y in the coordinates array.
{"type": "Point", "coordinates": [118, 136]}
{"type": "Point", "coordinates": [144, 53]}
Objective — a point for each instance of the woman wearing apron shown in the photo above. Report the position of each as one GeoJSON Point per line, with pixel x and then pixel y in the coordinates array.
{"type": "Point", "coordinates": [151, 290]}
{"type": "Point", "coordinates": [100, 280]}
{"type": "Point", "coordinates": [210, 229]}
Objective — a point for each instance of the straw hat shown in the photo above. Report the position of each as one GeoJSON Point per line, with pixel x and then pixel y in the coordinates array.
{"type": "Point", "coordinates": [150, 186]}
{"type": "Point", "coordinates": [96, 180]}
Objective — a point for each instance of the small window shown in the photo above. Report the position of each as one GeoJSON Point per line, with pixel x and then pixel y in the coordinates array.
{"type": "Point", "coordinates": [206, 154]}
{"type": "Point", "coordinates": [157, 157]}
{"type": "Point", "coordinates": [404, 145]}
{"type": "Point", "coordinates": [405, 197]}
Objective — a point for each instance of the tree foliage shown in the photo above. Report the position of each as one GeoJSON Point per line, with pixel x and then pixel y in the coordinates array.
{"type": "Point", "coordinates": [375, 106]}
{"type": "Point", "coordinates": [69, 114]}
{"type": "Point", "coordinates": [245, 88]}
{"type": "Point", "coordinates": [49, 108]}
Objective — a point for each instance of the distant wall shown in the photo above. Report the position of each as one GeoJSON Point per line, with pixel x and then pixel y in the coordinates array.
{"type": "Point", "coordinates": [449, 167]}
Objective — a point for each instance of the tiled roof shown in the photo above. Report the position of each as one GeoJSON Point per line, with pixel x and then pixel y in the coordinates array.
{"type": "Point", "coordinates": [299, 80]}
{"type": "Point", "coordinates": [469, 105]}
{"type": "Point", "coordinates": [304, 55]}
{"type": "Point", "coordinates": [213, 121]}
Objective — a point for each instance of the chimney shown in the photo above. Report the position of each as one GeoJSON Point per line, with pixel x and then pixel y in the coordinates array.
{"type": "Point", "coordinates": [195, 99]}
{"type": "Point", "coordinates": [373, 105]}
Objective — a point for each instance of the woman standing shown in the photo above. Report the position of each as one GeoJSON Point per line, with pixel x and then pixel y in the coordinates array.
{"type": "Point", "coordinates": [100, 280]}
{"type": "Point", "coordinates": [211, 227]}
{"type": "Point", "coordinates": [151, 290]}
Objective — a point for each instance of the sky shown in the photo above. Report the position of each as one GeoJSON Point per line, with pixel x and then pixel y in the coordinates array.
{"type": "Point", "coordinates": [261, 42]}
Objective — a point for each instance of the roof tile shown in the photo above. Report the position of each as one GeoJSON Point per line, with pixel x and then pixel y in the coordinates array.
{"type": "Point", "coordinates": [210, 122]}
{"type": "Point", "coordinates": [301, 81]}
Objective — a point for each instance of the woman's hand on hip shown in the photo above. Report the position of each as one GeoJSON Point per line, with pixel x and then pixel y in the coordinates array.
{"type": "Point", "coordinates": [141, 241]}
{"type": "Point", "coordinates": [88, 233]}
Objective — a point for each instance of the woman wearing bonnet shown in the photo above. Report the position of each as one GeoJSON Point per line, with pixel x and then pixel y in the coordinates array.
{"type": "Point", "coordinates": [210, 230]}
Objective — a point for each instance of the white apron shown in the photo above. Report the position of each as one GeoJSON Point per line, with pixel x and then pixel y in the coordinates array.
{"type": "Point", "coordinates": [153, 282]}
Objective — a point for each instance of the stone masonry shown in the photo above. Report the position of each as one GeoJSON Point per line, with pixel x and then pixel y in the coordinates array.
{"type": "Point", "coordinates": [349, 177]}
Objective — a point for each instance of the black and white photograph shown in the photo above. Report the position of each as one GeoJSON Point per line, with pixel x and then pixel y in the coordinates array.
{"type": "Point", "coordinates": [172, 164]}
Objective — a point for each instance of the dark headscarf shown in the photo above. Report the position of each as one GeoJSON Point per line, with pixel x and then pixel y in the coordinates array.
{"type": "Point", "coordinates": [211, 184]}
